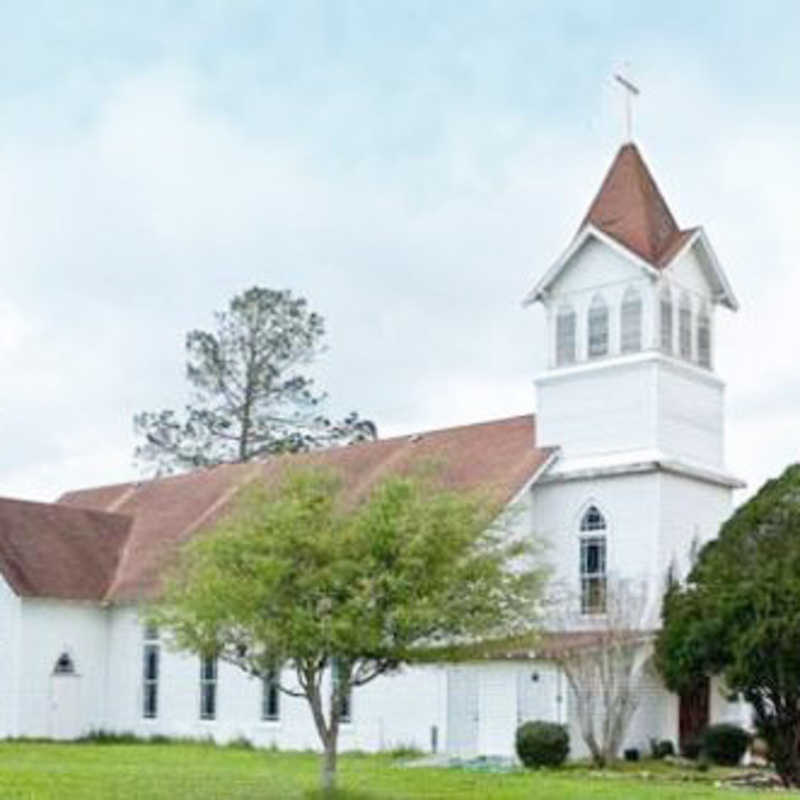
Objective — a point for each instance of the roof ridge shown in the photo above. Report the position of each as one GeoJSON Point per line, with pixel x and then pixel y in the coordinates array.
{"type": "Point", "coordinates": [128, 488]}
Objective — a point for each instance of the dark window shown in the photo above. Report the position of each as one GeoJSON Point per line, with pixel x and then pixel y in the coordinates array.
{"type": "Point", "coordinates": [208, 688]}
{"type": "Point", "coordinates": [150, 681]}
{"type": "Point", "coordinates": [64, 665]}
{"type": "Point", "coordinates": [345, 698]}
{"type": "Point", "coordinates": [593, 562]}
{"type": "Point", "coordinates": [271, 698]}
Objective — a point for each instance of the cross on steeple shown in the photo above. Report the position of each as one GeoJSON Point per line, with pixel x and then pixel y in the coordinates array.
{"type": "Point", "coordinates": [631, 91]}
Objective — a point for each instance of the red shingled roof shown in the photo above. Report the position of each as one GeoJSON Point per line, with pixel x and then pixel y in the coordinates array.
{"type": "Point", "coordinates": [630, 208]}
{"type": "Point", "coordinates": [48, 550]}
{"type": "Point", "coordinates": [498, 457]}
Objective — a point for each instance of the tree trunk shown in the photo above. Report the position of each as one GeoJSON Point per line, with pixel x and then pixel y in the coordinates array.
{"type": "Point", "coordinates": [328, 773]}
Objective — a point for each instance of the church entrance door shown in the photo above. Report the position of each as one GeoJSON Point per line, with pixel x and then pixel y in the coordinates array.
{"type": "Point", "coordinates": [693, 712]}
{"type": "Point", "coordinates": [462, 711]}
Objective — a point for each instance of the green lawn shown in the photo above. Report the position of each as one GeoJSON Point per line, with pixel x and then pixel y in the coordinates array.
{"type": "Point", "coordinates": [34, 771]}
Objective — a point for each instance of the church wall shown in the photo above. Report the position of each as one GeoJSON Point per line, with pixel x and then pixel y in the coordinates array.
{"type": "Point", "coordinates": [393, 710]}
{"type": "Point", "coordinates": [691, 510]}
{"type": "Point", "coordinates": [48, 629]}
{"type": "Point", "coordinates": [598, 410]}
{"type": "Point", "coordinates": [630, 504]}
{"type": "Point", "coordinates": [10, 611]}
{"type": "Point", "coordinates": [656, 717]}
{"type": "Point", "coordinates": [690, 422]}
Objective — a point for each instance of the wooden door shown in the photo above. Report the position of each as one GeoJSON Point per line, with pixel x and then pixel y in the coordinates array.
{"type": "Point", "coordinates": [693, 712]}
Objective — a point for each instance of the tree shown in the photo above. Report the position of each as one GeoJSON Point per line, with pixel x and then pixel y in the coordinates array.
{"type": "Point", "coordinates": [738, 615]}
{"type": "Point", "coordinates": [250, 398]}
{"type": "Point", "coordinates": [604, 664]}
{"type": "Point", "coordinates": [304, 575]}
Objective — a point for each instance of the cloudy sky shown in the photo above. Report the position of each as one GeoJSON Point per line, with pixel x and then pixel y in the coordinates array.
{"type": "Point", "coordinates": [410, 167]}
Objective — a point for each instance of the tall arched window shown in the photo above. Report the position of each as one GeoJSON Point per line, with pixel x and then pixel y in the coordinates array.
{"type": "Point", "coordinates": [685, 326]}
{"type": "Point", "coordinates": [565, 335]}
{"type": "Point", "coordinates": [598, 327]}
{"type": "Point", "coordinates": [630, 319]}
{"type": "Point", "coordinates": [593, 561]}
{"type": "Point", "coordinates": [665, 307]}
{"type": "Point", "coordinates": [704, 337]}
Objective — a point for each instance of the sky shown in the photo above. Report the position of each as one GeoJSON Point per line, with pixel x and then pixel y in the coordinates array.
{"type": "Point", "coordinates": [410, 168]}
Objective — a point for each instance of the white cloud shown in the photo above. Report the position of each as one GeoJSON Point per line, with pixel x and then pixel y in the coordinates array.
{"type": "Point", "coordinates": [129, 231]}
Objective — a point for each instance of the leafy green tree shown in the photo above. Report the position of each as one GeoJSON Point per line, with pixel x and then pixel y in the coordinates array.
{"type": "Point", "coordinates": [739, 615]}
{"type": "Point", "coordinates": [250, 397]}
{"type": "Point", "coordinates": [304, 577]}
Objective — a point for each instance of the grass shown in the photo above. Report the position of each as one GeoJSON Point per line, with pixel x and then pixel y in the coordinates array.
{"type": "Point", "coordinates": [50, 771]}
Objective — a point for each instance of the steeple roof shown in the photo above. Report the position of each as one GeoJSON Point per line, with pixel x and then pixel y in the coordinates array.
{"type": "Point", "coordinates": [630, 208]}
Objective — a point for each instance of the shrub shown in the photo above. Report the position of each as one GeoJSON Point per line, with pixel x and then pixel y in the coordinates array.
{"type": "Point", "coordinates": [725, 744]}
{"type": "Point", "coordinates": [661, 749]}
{"type": "Point", "coordinates": [692, 747]}
{"type": "Point", "coordinates": [542, 744]}
{"type": "Point", "coordinates": [631, 754]}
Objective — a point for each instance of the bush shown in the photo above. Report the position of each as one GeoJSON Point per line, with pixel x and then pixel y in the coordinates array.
{"type": "Point", "coordinates": [725, 744]}
{"type": "Point", "coordinates": [542, 744]}
{"type": "Point", "coordinates": [631, 754]}
{"type": "Point", "coordinates": [661, 749]}
{"type": "Point", "coordinates": [692, 747]}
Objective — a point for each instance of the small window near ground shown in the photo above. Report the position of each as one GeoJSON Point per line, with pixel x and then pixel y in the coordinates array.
{"type": "Point", "coordinates": [271, 698]}
{"type": "Point", "coordinates": [208, 688]}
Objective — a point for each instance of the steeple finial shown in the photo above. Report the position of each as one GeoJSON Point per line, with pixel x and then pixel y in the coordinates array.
{"type": "Point", "coordinates": [631, 91]}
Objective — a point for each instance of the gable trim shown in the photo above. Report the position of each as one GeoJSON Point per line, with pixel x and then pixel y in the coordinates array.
{"type": "Point", "coordinates": [724, 295]}
{"type": "Point", "coordinates": [540, 290]}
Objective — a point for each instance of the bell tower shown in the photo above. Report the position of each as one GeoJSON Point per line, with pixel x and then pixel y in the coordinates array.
{"type": "Point", "coordinates": [630, 308]}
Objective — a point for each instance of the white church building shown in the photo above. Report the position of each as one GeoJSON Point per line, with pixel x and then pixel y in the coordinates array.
{"type": "Point", "coordinates": [621, 471]}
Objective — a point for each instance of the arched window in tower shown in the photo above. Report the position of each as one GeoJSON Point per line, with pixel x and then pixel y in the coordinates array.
{"type": "Point", "coordinates": [704, 337]}
{"type": "Point", "coordinates": [685, 326]}
{"type": "Point", "coordinates": [593, 561]}
{"type": "Point", "coordinates": [598, 327]}
{"type": "Point", "coordinates": [630, 318]}
{"type": "Point", "coordinates": [665, 308]}
{"type": "Point", "coordinates": [565, 335]}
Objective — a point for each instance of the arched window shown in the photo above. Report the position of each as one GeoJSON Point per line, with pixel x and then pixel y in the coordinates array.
{"type": "Point", "coordinates": [685, 326]}
{"type": "Point", "coordinates": [704, 337]}
{"type": "Point", "coordinates": [565, 335]}
{"type": "Point", "coordinates": [630, 319]}
{"type": "Point", "coordinates": [64, 665]}
{"type": "Point", "coordinates": [593, 561]}
{"type": "Point", "coordinates": [598, 327]}
{"type": "Point", "coordinates": [665, 306]}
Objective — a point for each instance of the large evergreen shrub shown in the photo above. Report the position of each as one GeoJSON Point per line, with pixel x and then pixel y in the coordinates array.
{"type": "Point", "coordinates": [725, 744]}
{"type": "Point", "coordinates": [542, 744]}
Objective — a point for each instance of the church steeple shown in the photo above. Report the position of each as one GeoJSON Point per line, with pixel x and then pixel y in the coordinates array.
{"type": "Point", "coordinates": [630, 308]}
{"type": "Point", "coordinates": [630, 208]}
